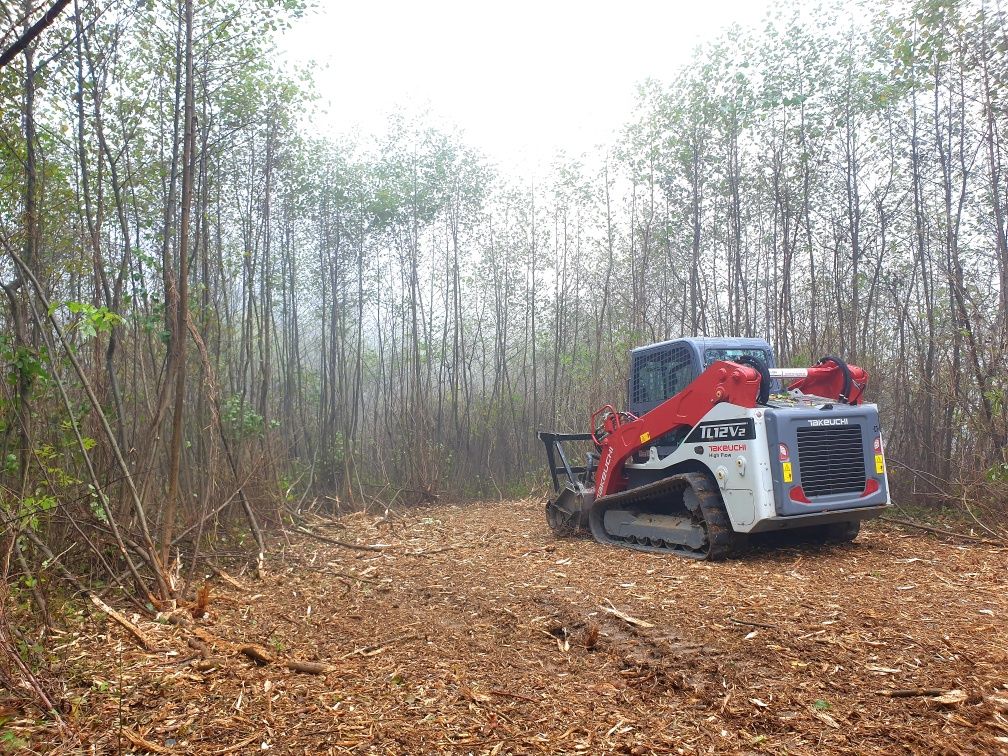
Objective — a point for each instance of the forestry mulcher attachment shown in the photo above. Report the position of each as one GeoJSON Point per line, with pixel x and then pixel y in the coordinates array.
{"type": "Point", "coordinates": [714, 447]}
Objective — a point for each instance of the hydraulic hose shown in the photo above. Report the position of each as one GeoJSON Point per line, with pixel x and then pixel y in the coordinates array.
{"type": "Point", "coordinates": [848, 381]}
{"type": "Point", "coordinates": [764, 373]}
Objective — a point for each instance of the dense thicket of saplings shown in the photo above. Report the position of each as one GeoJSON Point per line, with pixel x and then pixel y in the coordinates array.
{"type": "Point", "coordinates": [204, 307]}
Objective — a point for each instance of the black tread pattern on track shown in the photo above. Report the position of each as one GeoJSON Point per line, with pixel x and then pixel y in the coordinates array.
{"type": "Point", "coordinates": [720, 541]}
{"type": "Point", "coordinates": [720, 535]}
{"type": "Point", "coordinates": [649, 491]}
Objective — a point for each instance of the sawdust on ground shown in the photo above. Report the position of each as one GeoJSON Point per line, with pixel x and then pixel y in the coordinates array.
{"type": "Point", "coordinates": [470, 629]}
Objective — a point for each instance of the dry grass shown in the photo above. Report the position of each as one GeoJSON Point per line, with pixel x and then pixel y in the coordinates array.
{"type": "Point", "coordinates": [474, 631]}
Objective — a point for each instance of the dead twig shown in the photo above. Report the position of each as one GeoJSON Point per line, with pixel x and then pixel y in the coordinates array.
{"type": "Point", "coordinates": [256, 653]}
{"type": "Point", "coordinates": [309, 668]}
{"type": "Point", "coordinates": [625, 617]}
{"type": "Point", "coordinates": [224, 576]}
{"type": "Point", "coordinates": [132, 629]}
{"type": "Point", "coordinates": [378, 647]}
{"type": "Point", "coordinates": [752, 623]}
{"type": "Point", "coordinates": [912, 692]}
{"type": "Point", "coordinates": [344, 544]}
{"type": "Point", "coordinates": [209, 663]}
{"type": "Point", "coordinates": [236, 747]}
{"type": "Point", "coordinates": [940, 531]}
{"type": "Point", "coordinates": [139, 741]}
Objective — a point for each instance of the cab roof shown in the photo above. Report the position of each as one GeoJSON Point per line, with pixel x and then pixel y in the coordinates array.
{"type": "Point", "coordinates": [702, 343]}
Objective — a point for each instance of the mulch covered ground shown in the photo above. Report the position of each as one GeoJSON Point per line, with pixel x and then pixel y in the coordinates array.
{"type": "Point", "coordinates": [472, 630]}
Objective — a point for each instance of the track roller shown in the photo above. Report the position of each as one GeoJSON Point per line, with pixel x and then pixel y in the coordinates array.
{"type": "Point", "coordinates": [682, 514]}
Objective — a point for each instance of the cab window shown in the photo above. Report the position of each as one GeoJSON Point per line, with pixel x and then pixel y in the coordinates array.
{"type": "Point", "coordinates": [732, 355]}
{"type": "Point", "coordinates": [661, 375]}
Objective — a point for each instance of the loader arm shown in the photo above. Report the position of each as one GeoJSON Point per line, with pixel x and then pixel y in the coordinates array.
{"type": "Point", "coordinates": [833, 378]}
{"type": "Point", "coordinates": [721, 382]}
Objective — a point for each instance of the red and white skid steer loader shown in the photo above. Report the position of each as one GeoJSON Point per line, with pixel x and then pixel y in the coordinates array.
{"type": "Point", "coordinates": [714, 447]}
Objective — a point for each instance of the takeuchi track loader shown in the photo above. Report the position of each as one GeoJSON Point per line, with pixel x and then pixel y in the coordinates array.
{"type": "Point", "coordinates": [713, 446]}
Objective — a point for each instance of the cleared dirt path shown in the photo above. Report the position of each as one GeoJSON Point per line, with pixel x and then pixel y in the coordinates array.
{"type": "Point", "coordinates": [472, 630]}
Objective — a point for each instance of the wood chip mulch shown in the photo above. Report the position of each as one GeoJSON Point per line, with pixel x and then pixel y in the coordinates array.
{"type": "Point", "coordinates": [470, 629]}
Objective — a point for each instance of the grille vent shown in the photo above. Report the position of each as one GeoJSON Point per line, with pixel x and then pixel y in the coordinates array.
{"type": "Point", "coordinates": [831, 460]}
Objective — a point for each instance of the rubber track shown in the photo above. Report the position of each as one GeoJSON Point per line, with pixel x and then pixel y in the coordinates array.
{"type": "Point", "coordinates": [643, 493]}
{"type": "Point", "coordinates": [721, 539]}
{"type": "Point", "coordinates": [720, 535]}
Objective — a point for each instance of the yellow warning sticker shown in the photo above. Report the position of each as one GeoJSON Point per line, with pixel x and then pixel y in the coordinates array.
{"type": "Point", "coordinates": [786, 467]}
{"type": "Point", "coordinates": [645, 437]}
{"type": "Point", "coordinates": [879, 464]}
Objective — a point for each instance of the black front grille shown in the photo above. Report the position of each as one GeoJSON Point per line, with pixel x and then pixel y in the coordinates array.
{"type": "Point", "coordinates": [831, 460]}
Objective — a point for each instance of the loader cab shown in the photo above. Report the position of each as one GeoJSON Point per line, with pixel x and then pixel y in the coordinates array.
{"type": "Point", "coordinates": [660, 371]}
